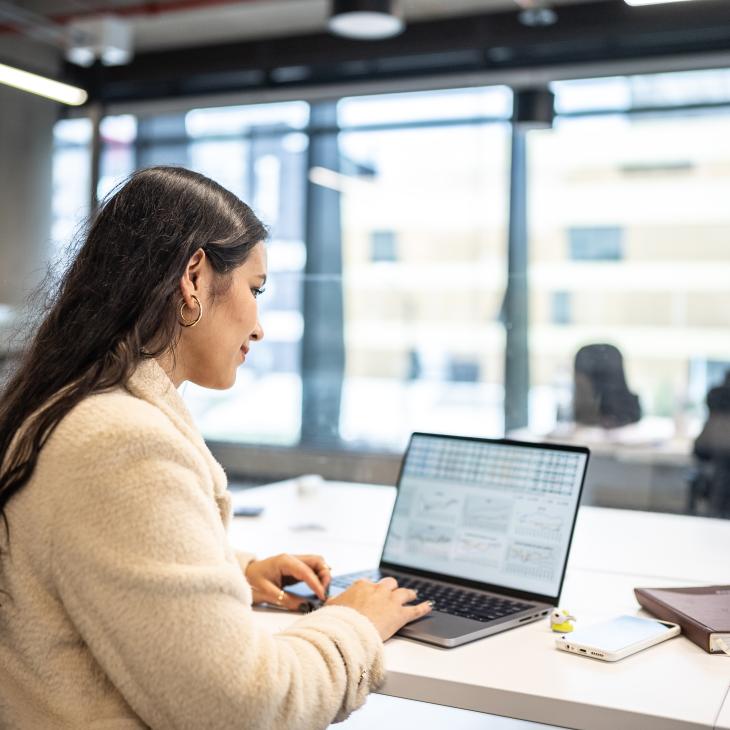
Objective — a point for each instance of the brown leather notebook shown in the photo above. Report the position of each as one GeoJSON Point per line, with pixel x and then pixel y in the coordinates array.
{"type": "Point", "coordinates": [702, 612]}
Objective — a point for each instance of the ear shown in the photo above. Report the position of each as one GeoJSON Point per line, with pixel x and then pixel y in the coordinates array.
{"type": "Point", "coordinates": [191, 280]}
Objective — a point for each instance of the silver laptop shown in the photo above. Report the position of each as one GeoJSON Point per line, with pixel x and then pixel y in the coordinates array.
{"type": "Point", "coordinates": [483, 528]}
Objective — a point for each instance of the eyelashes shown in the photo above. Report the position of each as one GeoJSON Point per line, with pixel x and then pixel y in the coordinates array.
{"type": "Point", "coordinates": [257, 292]}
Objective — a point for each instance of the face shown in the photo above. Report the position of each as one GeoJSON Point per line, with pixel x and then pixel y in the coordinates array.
{"type": "Point", "coordinates": [210, 353]}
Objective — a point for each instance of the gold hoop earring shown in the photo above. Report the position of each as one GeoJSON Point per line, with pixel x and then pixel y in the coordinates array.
{"type": "Point", "coordinates": [186, 323]}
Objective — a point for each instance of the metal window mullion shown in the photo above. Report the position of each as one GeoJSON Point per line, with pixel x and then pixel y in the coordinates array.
{"type": "Point", "coordinates": [323, 346]}
{"type": "Point", "coordinates": [517, 371]}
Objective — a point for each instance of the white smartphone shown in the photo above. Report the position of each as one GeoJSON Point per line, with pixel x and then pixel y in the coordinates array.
{"type": "Point", "coordinates": [615, 639]}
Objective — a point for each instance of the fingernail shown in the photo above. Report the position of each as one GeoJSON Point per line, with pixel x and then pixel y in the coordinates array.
{"type": "Point", "coordinates": [431, 603]}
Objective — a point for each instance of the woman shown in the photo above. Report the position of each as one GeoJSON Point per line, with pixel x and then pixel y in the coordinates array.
{"type": "Point", "coordinates": [123, 605]}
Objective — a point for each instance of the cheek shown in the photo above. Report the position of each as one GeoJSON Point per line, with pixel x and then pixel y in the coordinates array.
{"type": "Point", "coordinates": [242, 315]}
{"type": "Point", "coordinates": [250, 312]}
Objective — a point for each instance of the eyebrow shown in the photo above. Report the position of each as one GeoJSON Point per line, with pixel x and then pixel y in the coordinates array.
{"type": "Point", "coordinates": [262, 277]}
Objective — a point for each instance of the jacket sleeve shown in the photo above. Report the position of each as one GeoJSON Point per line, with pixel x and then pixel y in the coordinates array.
{"type": "Point", "coordinates": [244, 559]}
{"type": "Point", "coordinates": [142, 566]}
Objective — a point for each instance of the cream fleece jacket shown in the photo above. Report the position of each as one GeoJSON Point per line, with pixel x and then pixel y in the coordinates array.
{"type": "Point", "coordinates": [128, 608]}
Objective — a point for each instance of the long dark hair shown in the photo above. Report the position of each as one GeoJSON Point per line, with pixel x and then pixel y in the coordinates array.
{"type": "Point", "coordinates": [117, 303]}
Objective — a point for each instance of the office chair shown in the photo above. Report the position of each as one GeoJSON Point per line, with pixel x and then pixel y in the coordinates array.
{"type": "Point", "coordinates": [601, 396]}
{"type": "Point", "coordinates": [710, 480]}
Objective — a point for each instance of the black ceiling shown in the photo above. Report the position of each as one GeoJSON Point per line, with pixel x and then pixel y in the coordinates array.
{"type": "Point", "coordinates": [586, 33]}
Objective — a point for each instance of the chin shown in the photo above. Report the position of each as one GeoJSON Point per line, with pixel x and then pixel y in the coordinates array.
{"type": "Point", "coordinates": [219, 382]}
{"type": "Point", "coordinates": [227, 383]}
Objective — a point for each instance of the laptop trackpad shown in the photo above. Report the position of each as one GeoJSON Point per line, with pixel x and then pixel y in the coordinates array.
{"type": "Point", "coordinates": [440, 626]}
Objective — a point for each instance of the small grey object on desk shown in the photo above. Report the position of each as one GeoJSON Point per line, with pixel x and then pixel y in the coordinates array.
{"type": "Point", "coordinates": [308, 484]}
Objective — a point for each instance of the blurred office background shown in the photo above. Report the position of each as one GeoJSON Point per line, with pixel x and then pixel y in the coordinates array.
{"type": "Point", "coordinates": [444, 254]}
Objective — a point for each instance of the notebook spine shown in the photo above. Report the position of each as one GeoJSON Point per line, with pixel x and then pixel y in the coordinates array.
{"type": "Point", "coordinates": [696, 632]}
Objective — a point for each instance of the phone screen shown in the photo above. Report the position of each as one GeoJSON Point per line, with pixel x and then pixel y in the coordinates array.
{"type": "Point", "coordinates": [614, 635]}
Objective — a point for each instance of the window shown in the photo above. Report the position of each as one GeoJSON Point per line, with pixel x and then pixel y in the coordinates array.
{"type": "Point", "coordinates": [463, 370]}
{"type": "Point", "coordinates": [71, 180]}
{"type": "Point", "coordinates": [383, 246]}
{"type": "Point", "coordinates": [119, 156]}
{"type": "Point", "coordinates": [624, 93]}
{"type": "Point", "coordinates": [259, 153]}
{"type": "Point", "coordinates": [596, 244]}
{"type": "Point", "coordinates": [387, 320]}
{"type": "Point", "coordinates": [654, 284]}
{"type": "Point", "coordinates": [424, 348]}
{"type": "Point", "coordinates": [561, 302]}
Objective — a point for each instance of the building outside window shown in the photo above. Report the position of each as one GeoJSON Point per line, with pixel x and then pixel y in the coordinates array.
{"type": "Point", "coordinates": [654, 282]}
{"type": "Point", "coordinates": [628, 232]}
{"type": "Point", "coordinates": [424, 345]}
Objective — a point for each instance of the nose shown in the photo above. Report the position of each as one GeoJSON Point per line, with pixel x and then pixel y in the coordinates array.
{"type": "Point", "coordinates": [258, 333]}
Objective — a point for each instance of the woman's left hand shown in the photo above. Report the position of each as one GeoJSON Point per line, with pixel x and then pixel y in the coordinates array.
{"type": "Point", "coordinates": [268, 578]}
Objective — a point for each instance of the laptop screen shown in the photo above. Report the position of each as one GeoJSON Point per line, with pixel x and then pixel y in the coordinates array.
{"type": "Point", "coordinates": [489, 511]}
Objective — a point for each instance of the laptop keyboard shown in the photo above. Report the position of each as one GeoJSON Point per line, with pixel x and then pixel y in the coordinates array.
{"type": "Point", "coordinates": [447, 599]}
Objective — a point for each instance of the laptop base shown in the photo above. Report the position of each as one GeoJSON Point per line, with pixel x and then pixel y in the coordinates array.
{"type": "Point", "coordinates": [447, 631]}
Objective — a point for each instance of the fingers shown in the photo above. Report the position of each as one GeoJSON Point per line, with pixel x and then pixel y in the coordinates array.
{"type": "Point", "coordinates": [297, 568]}
{"type": "Point", "coordinates": [419, 610]}
{"type": "Point", "coordinates": [405, 595]}
{"type": "Point", "coordinates": [275, 596]}
{"type": "Point", "coordinates": [401, 595]}
{"type": "Point", "coordinates": [318, 564]}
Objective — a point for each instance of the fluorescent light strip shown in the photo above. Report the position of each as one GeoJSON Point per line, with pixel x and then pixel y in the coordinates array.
{"type": "Point", "coordinates": [636, 3]}
{"type": "Point", "coordinates": [42, 86]}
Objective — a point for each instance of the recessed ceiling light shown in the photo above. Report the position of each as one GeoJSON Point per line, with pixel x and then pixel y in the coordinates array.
{"type": "Point", "coordinates": [365, 19]}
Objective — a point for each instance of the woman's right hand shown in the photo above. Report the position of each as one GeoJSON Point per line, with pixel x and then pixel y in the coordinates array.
{"type": "Point", "coordinates": [383, 603]}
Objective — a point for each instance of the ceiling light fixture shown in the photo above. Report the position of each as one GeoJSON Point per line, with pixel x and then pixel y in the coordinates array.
{"type": "Point", "coordinates": [636, 3]}
{"type": "Point", "coordinates": [105, 38]}
{"type": "Point", "coordinates": [536, 13]}
{"type": "Point", "coordinates": [365, 19]}
{"type": "Point", "coordinates": [42, 86]}
{"type": "Point", "coordinates": [538, 17]}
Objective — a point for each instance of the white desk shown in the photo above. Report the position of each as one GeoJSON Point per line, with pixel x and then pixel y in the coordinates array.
{"type": "Point", "coordinates": [652, 440]}
{"type": "Point", "coordinates": [518, 673]}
